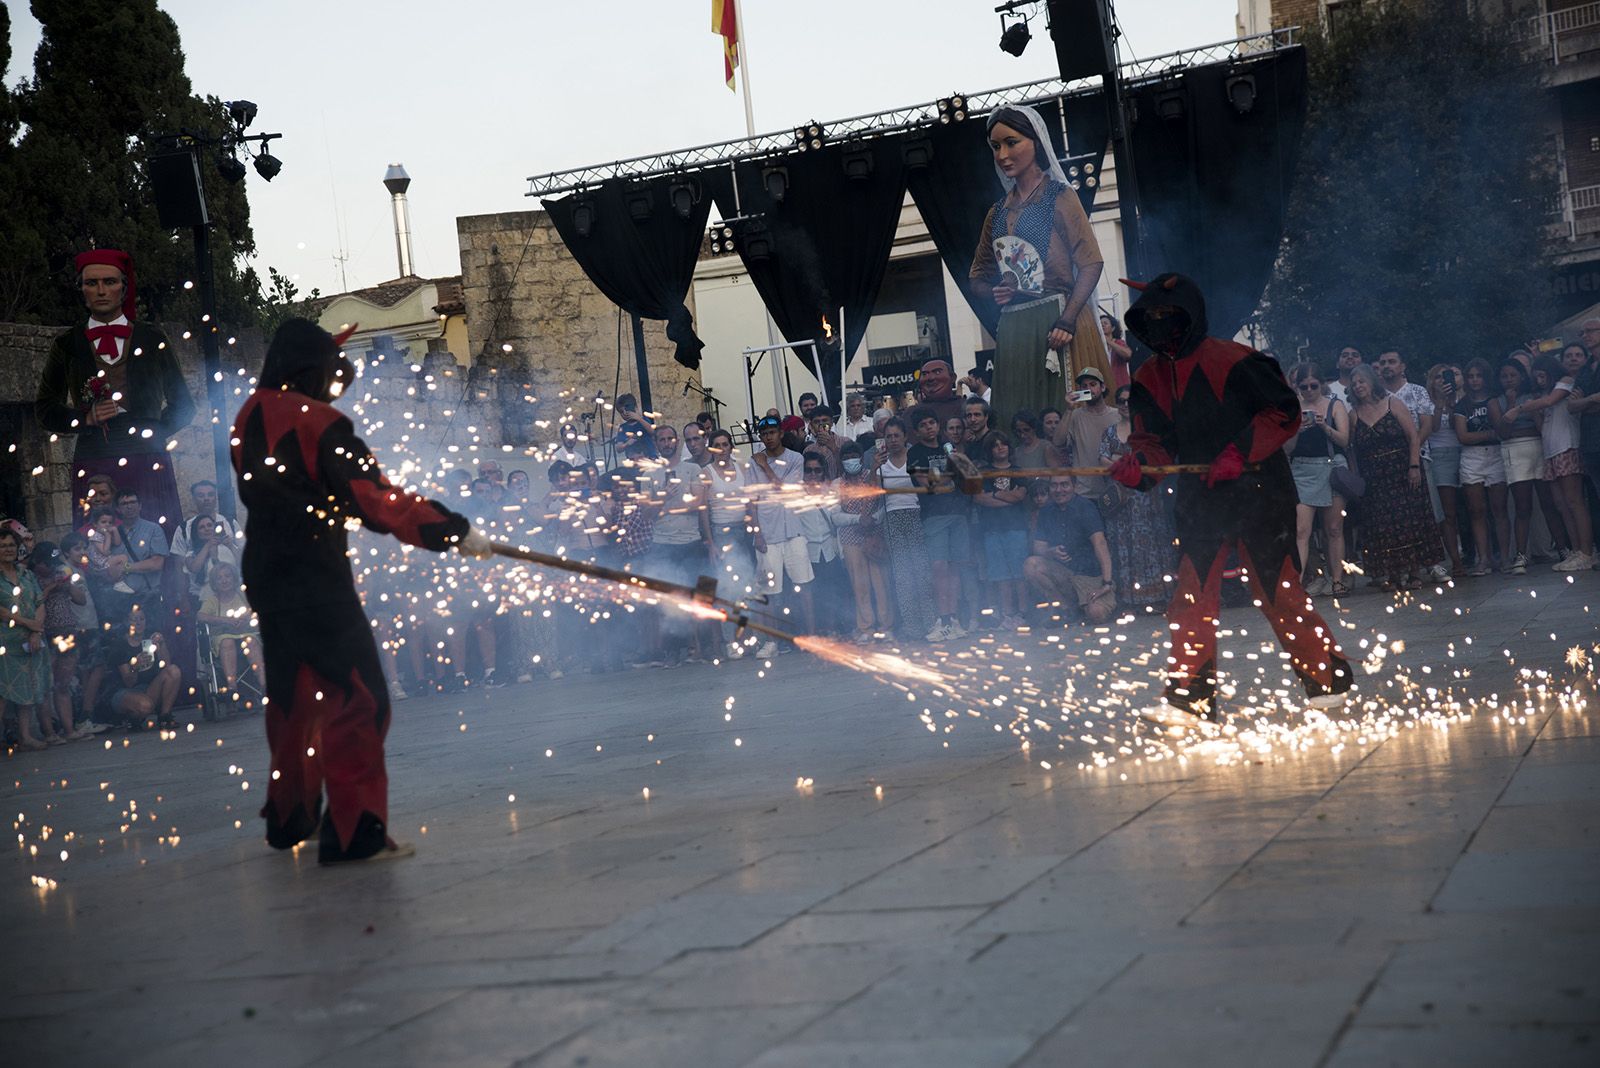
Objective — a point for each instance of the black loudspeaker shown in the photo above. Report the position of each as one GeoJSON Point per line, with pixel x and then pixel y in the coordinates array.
{"type": "Point", "coordinates": [180, 198]}
{"type": "Point", "coordinates": [1079, 29]}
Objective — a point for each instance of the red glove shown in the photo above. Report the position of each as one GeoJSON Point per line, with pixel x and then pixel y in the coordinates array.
{"type": "Point", "coordinates": [1127, 471]}
{"type": "Point", "coordinates": [1228, 466]}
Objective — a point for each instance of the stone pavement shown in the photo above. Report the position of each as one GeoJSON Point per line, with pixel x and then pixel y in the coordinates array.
{"type": "Point", "coordinates": [1424, 897]}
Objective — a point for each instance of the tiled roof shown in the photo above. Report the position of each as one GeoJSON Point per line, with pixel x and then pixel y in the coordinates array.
{"type": "Point", "coordinates": [388, 294]}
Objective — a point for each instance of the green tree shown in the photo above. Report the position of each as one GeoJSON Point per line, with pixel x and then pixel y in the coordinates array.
{"type": "Point", "coordinates": [280, 300]}
{"type": "Point", "coordinates": [1418, 211]}
{"type": "Point", "coordinates": [107, 80]}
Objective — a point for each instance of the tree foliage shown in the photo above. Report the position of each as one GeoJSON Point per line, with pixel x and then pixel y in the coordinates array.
{"type": "Point", "coordinates": [281, 299]}
{"type": "Point", "coordinates": [1418, 212]}
{"type": "Point", "coordinates": [107, 80]}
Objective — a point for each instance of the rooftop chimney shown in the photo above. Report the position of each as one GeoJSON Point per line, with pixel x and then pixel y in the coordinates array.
{"type": "Point", "coordinates": [397, 181]}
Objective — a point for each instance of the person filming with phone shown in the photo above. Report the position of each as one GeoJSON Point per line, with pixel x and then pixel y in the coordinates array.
{"type": "Point", "coordinates": [1078, 434]}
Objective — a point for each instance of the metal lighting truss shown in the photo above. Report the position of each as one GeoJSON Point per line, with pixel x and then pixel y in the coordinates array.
{"type": "Point", "coordinates": [902, 120]}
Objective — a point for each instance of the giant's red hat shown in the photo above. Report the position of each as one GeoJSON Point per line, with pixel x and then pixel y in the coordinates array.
{"type": "Point", "coordinates": [111, 257]}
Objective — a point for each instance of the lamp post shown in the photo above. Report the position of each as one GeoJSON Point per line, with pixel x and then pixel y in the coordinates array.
{"type": "Point", "coordinates": [175, 177]}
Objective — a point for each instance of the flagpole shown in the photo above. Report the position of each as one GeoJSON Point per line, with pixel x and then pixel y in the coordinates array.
{"type": "Point", "coordinates": [744, 70]}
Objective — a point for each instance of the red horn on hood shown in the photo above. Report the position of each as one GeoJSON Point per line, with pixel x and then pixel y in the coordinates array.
{"type": "Point", "coordinates": [1171, 282]}
{"type": "Point", "coordinates": [344, 335]}
{"type": "Point", "coordinates": [1131, 284]}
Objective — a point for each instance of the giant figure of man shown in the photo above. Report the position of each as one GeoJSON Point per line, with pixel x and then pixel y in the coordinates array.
{"type": "Point", "coordinates": [115, 383]}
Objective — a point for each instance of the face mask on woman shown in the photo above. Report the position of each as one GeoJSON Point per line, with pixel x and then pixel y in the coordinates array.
{"type": "Point", "coordinates": [852, 466]}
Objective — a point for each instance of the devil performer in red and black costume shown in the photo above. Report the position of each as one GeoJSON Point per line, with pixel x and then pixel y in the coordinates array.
{"type": "Point", "coordinates": [1202, 400]}
{"type": "Point", "coordinates": [303, 473]}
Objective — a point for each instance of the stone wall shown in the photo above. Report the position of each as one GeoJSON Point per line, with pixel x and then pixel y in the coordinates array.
{"type": "Point", "coordinates": [1306, 13]}
{"type": "Point", "coordinates": [524, 290]}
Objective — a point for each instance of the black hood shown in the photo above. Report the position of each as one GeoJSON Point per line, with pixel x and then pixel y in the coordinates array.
{"type": "Point", "coordinates": [1171, 334]}
{"type": "Point", "coordinates": [307, 359]}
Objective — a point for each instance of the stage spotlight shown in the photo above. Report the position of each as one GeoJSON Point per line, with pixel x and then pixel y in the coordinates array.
{"type": "Point", "coordinates": [776, 182]}
{"type": "Point", "coordinates": [858, 164]}
{"type": "Point", "coordinates": [268, 165]}
{"type": "Point", "coordinates": [684, 196]}
{"type": "Point", "coordinates": [1170, 105]}
{"type": "Point", "coordinates": [639, 205]}
{"type": "Point", "coordinates": [918, 152]}
{"type": "Point", "coordinates": [583, 218]}
{"type": "Point", "coordinates": [1015, 37]}
{"type": "Point", "coordinates": [809, 136]}
{"type": "Point", "coordinates": [230, 168]}
{"type": "Point", "coordinates": [1241, 90]}
{"type": "Point", "coordinates": [757, 242]}
{"type": "Point", "coordinates": [242, 112]}
{"type": "Point", "coordinates": [721, 240]}
{"type": "Point", "coordinates": [952, 109]}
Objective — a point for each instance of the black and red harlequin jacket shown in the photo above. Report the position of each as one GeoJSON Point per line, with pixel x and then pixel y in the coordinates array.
{"type": "Point", "coordinates": [1197, 395]}
{"type": "Point", "coordinates": [303, 473]}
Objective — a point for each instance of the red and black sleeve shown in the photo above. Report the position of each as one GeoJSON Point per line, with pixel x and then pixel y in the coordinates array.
{"type": "Point", "coordinates": [1153, 438]}
{"type": "Point", "coordinates": [357, 483]}
{"type": "Point", "coordinates": [1257, 383]}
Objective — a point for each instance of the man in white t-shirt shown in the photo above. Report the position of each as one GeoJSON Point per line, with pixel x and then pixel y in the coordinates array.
{"type": "Point", "coordinates": [1349, 360]}
{"type": "Point", "coordinates": [773, 476]}
{"type": "Point", "coordinates": [856, 420]}
{"type": "Point", "coordinates": [679, 549]}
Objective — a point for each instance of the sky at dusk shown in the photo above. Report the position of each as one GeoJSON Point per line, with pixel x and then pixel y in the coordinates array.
{"type": "Point", "coordinates": [475, 96]}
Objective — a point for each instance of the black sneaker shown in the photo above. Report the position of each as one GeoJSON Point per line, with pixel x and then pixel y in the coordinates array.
{"type": "Point", "coordinates": [370, 842]}
{"type": "Point", "coordinates": [300, 825]}
{"type": "Point", "coordinates": [490, 682]}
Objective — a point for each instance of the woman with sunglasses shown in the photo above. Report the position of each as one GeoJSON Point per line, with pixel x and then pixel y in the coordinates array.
{"type": "Point", "coordinates": [1313, 454]}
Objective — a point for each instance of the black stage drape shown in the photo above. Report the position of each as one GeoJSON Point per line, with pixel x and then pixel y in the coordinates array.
{"type": "Point", "coordinates": [825, 244]}
{"type": "Point", "coordinates": [639, 251]}
{"type": "Point", "coordinates": [1214, 183]}
{"type": "Point", "coordinates": [957, 185]}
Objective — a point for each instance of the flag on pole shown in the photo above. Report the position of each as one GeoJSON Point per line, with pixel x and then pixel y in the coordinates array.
{"type": "Point", "coordinates": [725, 22]}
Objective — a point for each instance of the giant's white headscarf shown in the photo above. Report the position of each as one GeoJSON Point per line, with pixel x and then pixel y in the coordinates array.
{"type": "Point", "coordinates": [1023, 119]}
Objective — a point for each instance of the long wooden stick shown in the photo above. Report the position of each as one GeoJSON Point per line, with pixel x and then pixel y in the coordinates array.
{"type": "Point", "coordinates": [974, 483]}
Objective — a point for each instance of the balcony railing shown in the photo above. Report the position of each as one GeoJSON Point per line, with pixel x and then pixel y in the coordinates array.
{"type": "Point", "coordinates": [1566, 34]}
{"type": "Point", "coordinates": [1577, 213]}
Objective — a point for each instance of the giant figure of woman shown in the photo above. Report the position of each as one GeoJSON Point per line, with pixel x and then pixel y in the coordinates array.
{"type": "Point", "coordinates": [1037, 259]}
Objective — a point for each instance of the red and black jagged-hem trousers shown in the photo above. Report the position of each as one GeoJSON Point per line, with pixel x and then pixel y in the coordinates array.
{"type": "Point", "coordinates": [1255, 517]}
{"type": "Point", "coordinates": [327, 714]}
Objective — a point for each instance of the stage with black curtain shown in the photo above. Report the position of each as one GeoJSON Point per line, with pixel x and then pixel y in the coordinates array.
{"type": "Point", "coordinates": [814, 228]}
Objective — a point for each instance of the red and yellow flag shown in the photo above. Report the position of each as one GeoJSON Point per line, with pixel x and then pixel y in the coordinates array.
{"type": "Point", "coordinates": [725, 21]}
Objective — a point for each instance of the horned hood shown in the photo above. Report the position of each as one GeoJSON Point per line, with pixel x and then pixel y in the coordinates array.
{"type": "Point", "coordinates": [307, 359]}
{"type": "Point", "coordinates": [1170, 315]}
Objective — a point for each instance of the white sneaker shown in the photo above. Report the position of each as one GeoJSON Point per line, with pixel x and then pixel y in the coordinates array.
{"type": "Point", "coordinates": [1519, 565]}
{"type": "Point", "coordinates": [735, 650]}
{"type": "Point", "coordinates": [955, 630]}
{"type": "Point", "coordinates": [1439, 573]}
{"type": "Point", "coordinates": [1327, 702]}
{"type": "Point", "coordinates": [767, 651]}
{"type": "Point", "coordinates": [939, 633]}
{"type": "Point", "coordinates": [397, 692]}
{"type": "Point", "coordinates": [1574, 562]}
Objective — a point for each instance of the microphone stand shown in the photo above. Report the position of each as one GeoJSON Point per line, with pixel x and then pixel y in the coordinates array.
{"type": "Point", "coordinates": [709, 395]}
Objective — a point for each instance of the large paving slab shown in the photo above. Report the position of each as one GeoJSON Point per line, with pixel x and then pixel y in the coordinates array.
{"type": "Point", "coordinates": [833, 868]}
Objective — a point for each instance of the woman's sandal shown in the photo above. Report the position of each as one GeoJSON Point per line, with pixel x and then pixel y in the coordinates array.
{"type": "Point", "coordinates": [1341, 588]}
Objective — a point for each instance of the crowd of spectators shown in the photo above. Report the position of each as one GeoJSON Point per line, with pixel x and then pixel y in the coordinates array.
{"type": "Point", "coordinates": [1478, 467]}
{"type": "Point", "coordinates": [859, 525]}
{"type": "Point", "coordinates": [102, 626]}
{"type": "Point", "coordinates": [885, 523]}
